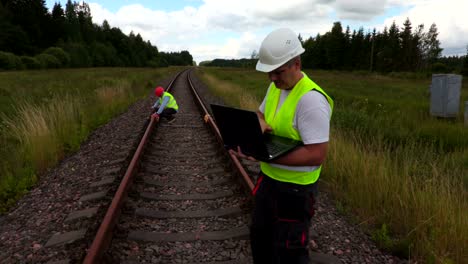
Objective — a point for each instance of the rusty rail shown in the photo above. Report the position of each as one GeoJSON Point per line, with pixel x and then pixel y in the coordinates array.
{"type": "Point", "coordinates": [208, 119]}
{"type": "Point", "coordinates": [104, 234]}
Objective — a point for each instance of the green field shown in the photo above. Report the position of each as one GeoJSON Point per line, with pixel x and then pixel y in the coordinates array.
{"type": "Point", "coordinates": [391, 166]}
{"type": "Point", "coordinates": [45, 115]}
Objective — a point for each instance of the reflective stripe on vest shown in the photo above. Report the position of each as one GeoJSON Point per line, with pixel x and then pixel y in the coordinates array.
{"type": "Point", "coordinates": [172, 103]}
{"type": "Point", "coordinates": [281, 122]}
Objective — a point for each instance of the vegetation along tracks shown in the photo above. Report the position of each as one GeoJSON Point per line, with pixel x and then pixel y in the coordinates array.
{"type": "Point", "coordinates": [186, 205]}
{"type": "Point", "coordinates": [69, 220]}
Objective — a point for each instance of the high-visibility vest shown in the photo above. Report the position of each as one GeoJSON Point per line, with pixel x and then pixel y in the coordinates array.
{"type": "Point", "coordinates": [281, 122]}
{"type": "Point", "coordinates": [172, 102]}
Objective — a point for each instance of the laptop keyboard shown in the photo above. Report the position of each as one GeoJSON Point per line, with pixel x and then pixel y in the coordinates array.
{"type": "Point", "coordinates": [274, 148]}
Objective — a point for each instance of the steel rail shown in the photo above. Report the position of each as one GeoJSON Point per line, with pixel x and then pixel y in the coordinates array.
{"type": "Point", "coordinates": [104, 234]}
{"type": "Point", "coordinates": [208, 119]}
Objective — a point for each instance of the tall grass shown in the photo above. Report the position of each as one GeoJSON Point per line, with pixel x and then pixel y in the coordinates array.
{"type": "Point", "coordinates": [401, 173]}
{"type": "Point", "coordinates": [234, 94]}
{"type": "Point", "coordinates": [48, 114]}
{"type": "Point", "coordinates": [41, 131]}
{"type": "Point", "coordinates": [409, 189]}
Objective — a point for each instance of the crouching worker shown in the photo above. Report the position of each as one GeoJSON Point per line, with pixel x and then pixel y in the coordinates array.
{"type": "Point", "coordinates": [165, 106]}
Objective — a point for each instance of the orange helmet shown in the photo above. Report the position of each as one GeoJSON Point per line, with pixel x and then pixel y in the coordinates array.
{"type": "Point", "coordinates": [159, 91]}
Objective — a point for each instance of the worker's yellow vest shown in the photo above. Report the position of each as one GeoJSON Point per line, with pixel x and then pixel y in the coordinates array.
{"type": "Point", "coordinates": [172, 102]}
{"type": "Point", "coordinates": [282, 123]}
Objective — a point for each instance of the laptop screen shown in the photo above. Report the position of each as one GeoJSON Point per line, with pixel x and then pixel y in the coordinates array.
{"type": "Point", "coordinates": [242, 128]}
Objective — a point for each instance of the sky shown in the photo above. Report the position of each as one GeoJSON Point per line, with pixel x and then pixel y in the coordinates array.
{"type": "Point", "coordinates": [234, 29]}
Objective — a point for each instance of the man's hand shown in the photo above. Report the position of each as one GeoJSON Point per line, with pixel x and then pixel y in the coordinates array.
{"type": "Point", "coordinates": [241, 155]}
{"type": "Point", "coordinates": [155, 116]}
{"type": "Point", "coordinates": [265, 127]}
{"type": "Point", "coordinates": [263, 124]}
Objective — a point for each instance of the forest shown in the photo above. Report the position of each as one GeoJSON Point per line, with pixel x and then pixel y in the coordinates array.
{"type": "Point", "coordinates": [396, 49]}
{"type": "Point", "coordinates": [34, 38]}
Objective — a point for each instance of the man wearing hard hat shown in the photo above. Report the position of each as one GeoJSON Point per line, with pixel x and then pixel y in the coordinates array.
{"type": "Point", "coordinates": [294, 107]}
{"type": "Point", "coordinates": [166, 106]}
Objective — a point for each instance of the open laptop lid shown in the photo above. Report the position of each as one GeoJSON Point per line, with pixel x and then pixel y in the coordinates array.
{"type": "Point", "coordinates": [242, 128]}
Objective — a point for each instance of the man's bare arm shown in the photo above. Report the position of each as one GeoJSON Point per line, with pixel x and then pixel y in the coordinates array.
{"type": "Point", "coordinates": [307, 155]}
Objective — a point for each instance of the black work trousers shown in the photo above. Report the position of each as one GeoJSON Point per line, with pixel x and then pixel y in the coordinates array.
{"type": "Point", "coordinates": [281, 217]}
{"type": "Point", "coordinates": [167, 112]}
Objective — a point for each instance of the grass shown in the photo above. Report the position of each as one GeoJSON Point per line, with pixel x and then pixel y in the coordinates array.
{"type": "Point", "coordinates": [46, 115]}
{"type": "Point", "coordinates": [414, 196]}
{"type": "Point", "coordinates": [233, 93]}
{"type": "Point", "coordinates": [402, 173]}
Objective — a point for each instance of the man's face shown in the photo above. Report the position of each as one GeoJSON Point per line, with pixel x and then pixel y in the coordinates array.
{"type": "Point", "coordinates": [283, 77]}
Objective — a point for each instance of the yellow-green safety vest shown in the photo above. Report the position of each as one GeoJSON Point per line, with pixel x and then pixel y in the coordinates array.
{"type": "Point", "coordinates": [172, 102]}
{"type": "Point", "coordinates": [281, 122]}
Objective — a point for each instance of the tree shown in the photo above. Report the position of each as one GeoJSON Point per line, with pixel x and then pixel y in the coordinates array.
{"type": "Point", "coordinates": [300, 39]}
{"type": "Point", "coordinates": [27, 29]}
{"type": "Point", "coordinates": [464, 70]}
{"type": "Point", "coordinates": [431, 50]}
{"type": "Point", "coordinates": [417, 46]}
{"type": "Point", "coordinates": [85, 21]}
{"type": "Point", "coordinates": [373, 40]}
{"type": "Point", "coordinates": [336, 46]}
{"type": "Point", "coordinates": [13, 38]}
{"type": "Point", "coordinates": [314, 55]}
{"type": "Point", "coordinates": [60, 54]}
{"type": "Point", "coordinates": [254, 55]}
{"type": "Point", "coordinates": [394, 48]}
{"type": "Point", "coordinates": [57, 29]}
{"type": "Point", "coordinates": [186, 57]}
{"type": "Point", "coordinates": [356, 48]}
{"type": "Point", "coordinates": [347, 64]}
{"type": "Point", "coordinates": [72, 24]}
{"type": "Point", "coordinates": [407, 56]}
{"type": "Point", "coordinates": [32, 17]}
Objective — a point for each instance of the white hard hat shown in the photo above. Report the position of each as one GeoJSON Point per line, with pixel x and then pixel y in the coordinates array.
{"type": "Point", "coordinates": [278, 48]}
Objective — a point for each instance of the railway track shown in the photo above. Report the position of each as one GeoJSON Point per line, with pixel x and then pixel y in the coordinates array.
{"type": "Point", "coordinates": [186, 203]}
{"type": "Point", "coordinates": [174, 197]}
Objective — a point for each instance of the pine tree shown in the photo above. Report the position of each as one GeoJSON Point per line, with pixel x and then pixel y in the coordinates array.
{"type": "Point", "coordinates": [57, 29]}
{"type": "Point", "coordinates": [394, 48]}
{"type": "Point", "coordinates": [72, 24]}
{"type": "Point", "coordinates": [347, 64]}
{"type": "Point", "coordinates": [32, 17]}
{"type": "Point", "coordinates": [12, 37]}
{"type": "Point", "coordinates": [407, 57]}
{"type": "Point", "coordinates": [356, 45]}
{"type": "Point", "coordinates": [86, 22]}
{"type": "Point", "coordinates": [336, 46]}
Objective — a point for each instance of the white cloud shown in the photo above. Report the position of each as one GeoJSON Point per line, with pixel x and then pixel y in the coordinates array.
{"type": "Point", "coordinates": [449, 17]}
{"type": "Point", "coordinates": [361, 10]}
{"type": "Point", "coordinates": [173, 31]}
{"type": "Point", "coordinates": [252, 20]}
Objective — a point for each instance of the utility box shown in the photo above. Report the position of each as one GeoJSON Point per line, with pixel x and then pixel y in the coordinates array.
{"type": "Point", "coordinates": [445, 95]}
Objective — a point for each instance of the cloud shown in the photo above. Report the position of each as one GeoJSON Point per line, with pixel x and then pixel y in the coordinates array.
{"type": "Point", "coordinates": [449, 17]}
{"type": "Point", "coordinates": [361, 10]}
{"type": "Point", "coordinates": [250, 20]}
{"type": "Point", "coordinates": [233, 29]}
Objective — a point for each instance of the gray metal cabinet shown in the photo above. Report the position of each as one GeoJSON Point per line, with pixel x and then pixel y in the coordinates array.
{"type": "Point", "coordinates": [445, 95]}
